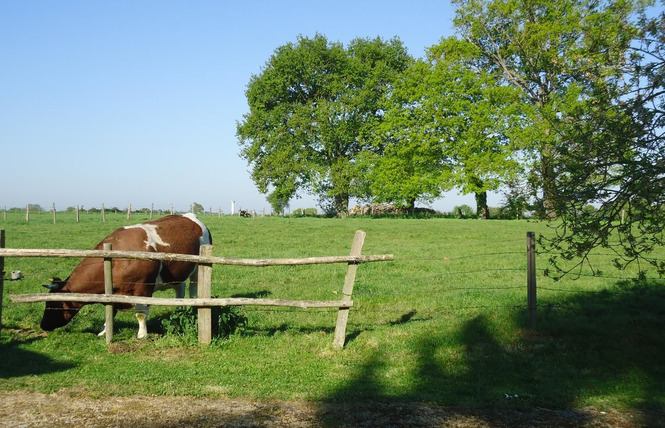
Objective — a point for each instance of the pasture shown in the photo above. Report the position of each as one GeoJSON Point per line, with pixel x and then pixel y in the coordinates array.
{"type": "Point", "coordinates": [444, 323]}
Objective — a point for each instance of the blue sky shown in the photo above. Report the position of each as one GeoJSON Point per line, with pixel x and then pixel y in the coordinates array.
{"type": "Point", "coordinates": [121, 102]}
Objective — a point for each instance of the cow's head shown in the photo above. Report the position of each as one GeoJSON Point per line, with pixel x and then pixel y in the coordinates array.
{"type": "Point", "coordinates": [57, 314]}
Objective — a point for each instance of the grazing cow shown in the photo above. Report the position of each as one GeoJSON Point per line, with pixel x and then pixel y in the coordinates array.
{"type": "Point", "coordinates": [171, 234]}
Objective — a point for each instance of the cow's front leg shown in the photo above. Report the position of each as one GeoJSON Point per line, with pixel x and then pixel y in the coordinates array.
{"type": "Point", "coordinates": [142, 312]}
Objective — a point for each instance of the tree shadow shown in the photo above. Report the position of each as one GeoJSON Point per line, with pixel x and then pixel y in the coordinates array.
{"type": "Point", "coordinates": [596, 344]}
{"type": "Point", "coordinates": [18, 362]}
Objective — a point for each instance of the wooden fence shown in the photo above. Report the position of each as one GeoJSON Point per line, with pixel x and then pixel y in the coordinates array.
{"type": "Point", "coordinates": [204, 302]}
{"type": "Point", "coordinates": [77, 209]}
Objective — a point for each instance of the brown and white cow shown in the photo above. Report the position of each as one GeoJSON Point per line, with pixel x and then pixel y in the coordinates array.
{"type": "Point", "coordinates": [171, 234]}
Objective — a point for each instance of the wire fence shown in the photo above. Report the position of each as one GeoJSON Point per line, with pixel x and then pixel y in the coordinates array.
{"type": "Point", "coordinates": [498, 280]}
{"type": "Point", "coordinates": [435, 279]}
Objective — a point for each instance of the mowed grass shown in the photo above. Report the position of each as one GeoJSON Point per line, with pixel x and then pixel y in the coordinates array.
{"type": "Point", "coordinates": [445, 322]}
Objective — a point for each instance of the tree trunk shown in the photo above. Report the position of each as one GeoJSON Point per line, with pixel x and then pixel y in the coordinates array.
{"type": "Point", "coordinates": [342, 205]}
{"type": "Point", "coordinates": [340, 177]}
{"type": "Point", "coordinates": [482, 210]}
{"type": "Point", "coordinates": [411, 205]}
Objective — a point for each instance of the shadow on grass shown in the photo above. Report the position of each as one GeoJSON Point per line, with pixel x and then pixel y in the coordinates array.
{"type": "Point", "coordinates": [18, 362]}
{"type": "Point", "coordinates": [607, 346]}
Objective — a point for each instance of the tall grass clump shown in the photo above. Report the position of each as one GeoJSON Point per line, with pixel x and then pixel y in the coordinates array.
{"type": "Point", "coordinates": [226, 321]}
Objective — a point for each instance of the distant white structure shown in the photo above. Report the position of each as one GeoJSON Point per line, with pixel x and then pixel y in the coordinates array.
{"type": "Point", "coordinates": [233, 207]}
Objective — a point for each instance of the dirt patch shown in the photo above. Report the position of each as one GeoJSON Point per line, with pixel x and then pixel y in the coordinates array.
{"type": "Point", "coordinates": [22, 409]}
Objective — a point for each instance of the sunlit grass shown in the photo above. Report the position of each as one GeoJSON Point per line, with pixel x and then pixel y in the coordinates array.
{"type": "Point", "coordinates": [444, 322]}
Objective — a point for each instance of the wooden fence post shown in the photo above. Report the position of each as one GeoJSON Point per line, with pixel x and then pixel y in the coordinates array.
{"type": "Point", "coordinates": [204, 291]}
{"type": "Point", "coordinates": [108, 290]}
{"type": "Point", "coordinates": [2, 274]}
{"type": "Point", "coordinates": [532, 303]}
{"type": "Point", "coordinates": [349, 280]}
{"type": "Point", "coordinates": [27, 213]}
{"type": "Point", "coordinates": [103, 214]}
{"type": "Point", "coordinates": [53, 211]}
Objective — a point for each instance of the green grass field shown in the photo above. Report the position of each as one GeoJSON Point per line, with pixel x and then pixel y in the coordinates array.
{"type": "Point", "coordinates": [445, 322]}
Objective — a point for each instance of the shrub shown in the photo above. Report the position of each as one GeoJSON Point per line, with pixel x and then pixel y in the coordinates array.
{"type": "Point", "coordinates": [226, 320]}
{"type": "Point", "coordinates": [464, 211]}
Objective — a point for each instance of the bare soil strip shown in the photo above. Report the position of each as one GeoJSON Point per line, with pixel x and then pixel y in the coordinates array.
{"type": "Point", "coordinates": [24, 409]}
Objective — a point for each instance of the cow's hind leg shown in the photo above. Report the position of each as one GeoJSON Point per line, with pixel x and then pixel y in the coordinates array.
{"type": "Point", "coordinates": [179, 290]}
{"type": "Point", "coordinates": [142, 312]}
{"type": "Point", "coordinates": [194, 283]}
{"type": "Point", "coordinates": [103, 332]}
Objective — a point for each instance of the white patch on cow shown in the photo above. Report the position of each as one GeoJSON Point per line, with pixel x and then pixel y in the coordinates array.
{"type": "Point", "coordinates": [205, 237]}
{"type": "Point", "coordinates": [152, 237]}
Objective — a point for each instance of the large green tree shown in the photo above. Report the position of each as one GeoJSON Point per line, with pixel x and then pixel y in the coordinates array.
{"type": "Point", "coordinates": [555, 52]}
{"type": "Point", "coordinates": [445, 127]}
{"type": "Point", "coordinates": [312, 111]}
{"type": "Point", "coordinates": [616, 161]}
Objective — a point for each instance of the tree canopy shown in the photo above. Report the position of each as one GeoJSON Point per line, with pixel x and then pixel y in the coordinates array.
{"type": "Point", "coordinates": [592, 74]}
{"type": "Point", "coordinates": [445, 127]}
{"type": "Point", "coordinates": [313, 109]}
{"type": "Point", "coordinates": [555, 52]}
{"type": "Point", "coordinates": [616, 162]}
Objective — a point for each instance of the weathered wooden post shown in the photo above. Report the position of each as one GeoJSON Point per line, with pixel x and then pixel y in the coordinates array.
{"type": "Point", "coordinates": [531, 277]}
{"type": "Point", "coordinates": [204, 291]}
{"type": "Point", "coordinates": [108, 290]}
{"type": "Point", "coordinates": [78, 217]}
{"type": "Point", "coordinates": [103, 214]}
{"type": "Point", "coordinates": [2, 274]}
{"type": "Point", "coordinates": [53, 211]}
{"type": "Point", "coordinates": [129, 211]}
{"type": "Point", "coordinates": [27, 213]}
{"type": "Point", "coordinates": [349, 280]}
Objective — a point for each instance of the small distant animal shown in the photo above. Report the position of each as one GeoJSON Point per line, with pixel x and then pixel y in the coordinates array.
{"type": "Point", "coordinates": [172, 234]}
{"type": "Point", "coordinates": [244, 213]}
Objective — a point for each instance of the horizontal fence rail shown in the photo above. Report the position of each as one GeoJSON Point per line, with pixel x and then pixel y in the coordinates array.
{"type": "Point", "coordinates": [163, 301]}
{"type": "Point", "coordinates": [139, 255]}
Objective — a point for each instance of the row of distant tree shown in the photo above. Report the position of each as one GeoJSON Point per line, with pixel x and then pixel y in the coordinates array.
{"type": "Point", "coordinates": [558, 103]}
{"type": "Point", "coordinates": [461, 211]}
{"type": "Point", "coordinates": [36, 208]}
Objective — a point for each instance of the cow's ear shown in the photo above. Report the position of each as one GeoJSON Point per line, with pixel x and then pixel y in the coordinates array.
{"type": "Point", "coordinates": [55, 285]}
